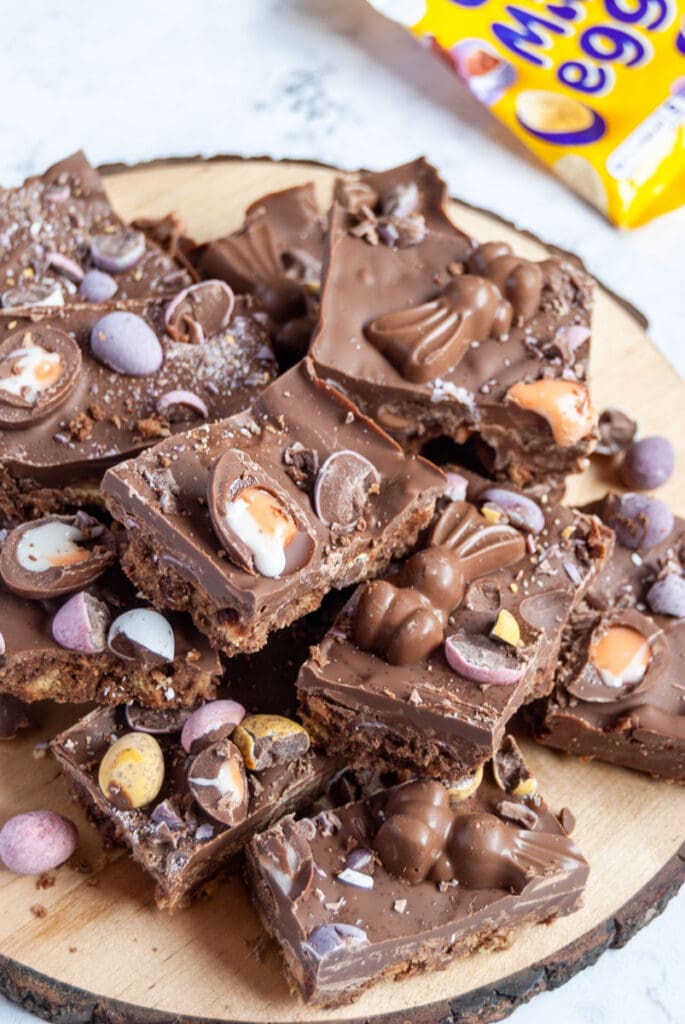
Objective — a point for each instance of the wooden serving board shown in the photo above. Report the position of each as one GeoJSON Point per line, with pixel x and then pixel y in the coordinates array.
{"type": "Point", "coordinates": [101, 952]}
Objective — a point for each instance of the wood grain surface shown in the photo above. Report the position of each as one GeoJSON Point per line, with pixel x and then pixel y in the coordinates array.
{"type": "Point", "coordinates": [102, 953]}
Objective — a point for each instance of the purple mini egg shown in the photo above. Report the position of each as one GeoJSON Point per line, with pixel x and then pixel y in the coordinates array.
{"type": "Point", "coordinates": [97, 286]}
{"type": "Point", "coordinates": [667, 596]}
{"type": "Point", "coordinates": [519, 510]}
{"type": "Point", "coordinates": [647, 464]}
{"type": "Point", "coordinates": [125, 343]}
{"type": "Point", "coordinates": [117, 251]}
{"type": "Point", "coordinates": [638, 520]}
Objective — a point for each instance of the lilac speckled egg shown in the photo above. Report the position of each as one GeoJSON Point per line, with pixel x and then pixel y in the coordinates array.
{"type": "Point", "coordinates": [37, 841]}
{"type": "Point", "coordinates": [648, 463]}
{"type": "Point", "coordinates": [520, 510]}
{"type": "Point", "coordinates": [667, 596]}
{"type": "Point", "coordinates": [638, 520]}
{"type": "Point", "coordinates": [97, 286]}
{"type": "Point", "coordinates": [124, 342]}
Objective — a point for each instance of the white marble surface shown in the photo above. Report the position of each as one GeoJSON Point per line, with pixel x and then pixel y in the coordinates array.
{"type": "Point", "coordinates": [329, 80]}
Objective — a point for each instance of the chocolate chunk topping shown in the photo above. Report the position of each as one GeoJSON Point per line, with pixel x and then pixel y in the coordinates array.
{"type": "Point", "coordinates": [303, 465]}
{"type": "Point", "coordinates": [567, 820]}
{"type": "Point", "coordinates": [200, 311]}
{"type": "Point", "coordinates": [522, 814]}
{"type": "Point", "coordinates": [510, 770]}
{"type": "Point", "coordinates": [355, 194]}
{"type": "Point", "coordinates": [519, 280]}
{"type": "Point", "coordinates": [616, 431]}
{"type": "Point", "coordinates": [425, 341]}
{"type": "Point", "coordinates": [219, 784]}
{"type": "Point", "coordinates": [254, 518]}
{"type": "Point", "coordinates": [39, 368]}
{"type": "Point", "coordinates": [55, 555]}
{"type": "Point", "coordinates": [403, 623]}
{"type": "Point", "coordinates": [342, 489]}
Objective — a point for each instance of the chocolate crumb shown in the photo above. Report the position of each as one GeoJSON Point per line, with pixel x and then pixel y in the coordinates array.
{"type": "Point", "coordinates": [567, 820]}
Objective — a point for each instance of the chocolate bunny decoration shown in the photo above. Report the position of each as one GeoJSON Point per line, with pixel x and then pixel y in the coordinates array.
{"type": "Point", "coordinates": [422, 837]}
{"type": "Point", "coordinates": [405, 621]}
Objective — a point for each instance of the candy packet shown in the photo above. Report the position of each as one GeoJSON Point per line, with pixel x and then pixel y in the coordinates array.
{"type": "Point", "coordinates": [596, 88]}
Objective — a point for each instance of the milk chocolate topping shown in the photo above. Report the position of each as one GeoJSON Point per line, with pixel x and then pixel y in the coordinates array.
{"type": "Point", "coordinates": [178, 839]}
{"type": "Point", "coordinates": [94, 415]}
{"type": "Point", "coordinates": [39, 368]}
{"type": "Point", "coordinates": [47, 653]}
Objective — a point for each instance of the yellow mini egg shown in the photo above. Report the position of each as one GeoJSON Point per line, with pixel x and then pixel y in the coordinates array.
{"type": "Point", "coordinates": [132, 771]}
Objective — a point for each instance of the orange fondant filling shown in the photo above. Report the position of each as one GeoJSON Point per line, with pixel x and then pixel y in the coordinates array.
{"type": "Point", "coordinates": [565, 404]}
{"type": "Point", "coordinates": [69, 558]}
{"type": "Point", "coordinates": [47, 372]}
{"type": "Point", "coordinates": [621, 655]}
{"type": "Point", "coordinates": [269, 514]}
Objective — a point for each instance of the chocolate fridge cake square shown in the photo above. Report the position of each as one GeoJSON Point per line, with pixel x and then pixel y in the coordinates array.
{"type": "Point", "coordinates": [74, 629]}
{"type": "Point", "coordinates": [424, 668]}
{"type": "Point", "coordinates": [275, 257]}
{"type": "Point", "coordinates": [434, 335]}
{"type": "Point", "coordinates": [84, 386]}
{"type": "Point", "coordinates": [182, 837]}
{"type": "Point", "coordinates": [248, 522]}
{"type": "Point", "coordinates": [409, 879]}
{"type": "Point", "coordinates": [619, 693]}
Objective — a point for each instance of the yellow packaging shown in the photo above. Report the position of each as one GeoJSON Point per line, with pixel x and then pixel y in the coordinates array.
{"type": "Point", "coordinates": [596, 88]}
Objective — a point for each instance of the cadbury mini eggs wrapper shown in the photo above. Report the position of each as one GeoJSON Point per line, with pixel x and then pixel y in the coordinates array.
{"type": "Point", "coordinates": [596, 88]}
